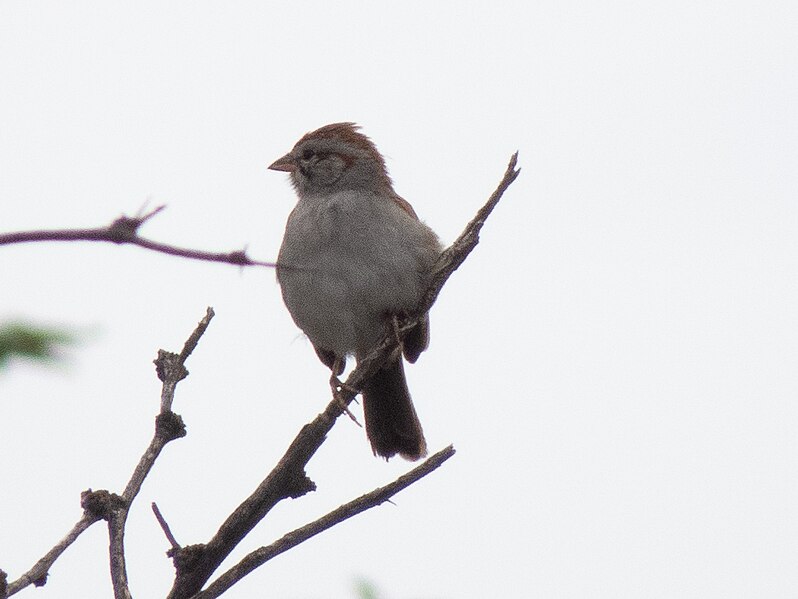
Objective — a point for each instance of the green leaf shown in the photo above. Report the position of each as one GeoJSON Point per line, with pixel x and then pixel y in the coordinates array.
{"type": "Point", "coordinates": [32, 342]}
{"type": "Point", "coordinates": [366, 589]}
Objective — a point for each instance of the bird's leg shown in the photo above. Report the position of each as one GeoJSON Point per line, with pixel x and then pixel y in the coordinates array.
{"type": "Point", "coordinates": [339, 387]}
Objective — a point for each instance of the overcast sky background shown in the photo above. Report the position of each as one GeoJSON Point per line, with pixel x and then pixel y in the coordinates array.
{"type": "Point", "coordinates": [615, 363]}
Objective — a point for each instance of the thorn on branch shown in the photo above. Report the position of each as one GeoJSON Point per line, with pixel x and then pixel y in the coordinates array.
{"type": "Point", "coordinates": [125, 228]}
{"type": "Point", "coordinates": [143, 218]}
{"type": "Point", "coordinates": [239, 257]}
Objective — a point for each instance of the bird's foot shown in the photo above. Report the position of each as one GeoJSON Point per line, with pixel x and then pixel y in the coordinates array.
{"type": "Point", "coordinates": [339, 390]}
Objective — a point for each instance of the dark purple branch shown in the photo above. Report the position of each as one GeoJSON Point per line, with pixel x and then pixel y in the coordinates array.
{"type": "Point", "coordinates": [124, 230]}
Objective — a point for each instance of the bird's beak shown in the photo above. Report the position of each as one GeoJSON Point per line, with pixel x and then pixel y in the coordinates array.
{"type": "Point", "coordinates": [286, 163]}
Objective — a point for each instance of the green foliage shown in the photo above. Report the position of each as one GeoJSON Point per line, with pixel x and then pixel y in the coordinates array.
{"type": "Point", "coordinates": [32, 342]}
{"type": "Point", "coordinates": [366, 590]}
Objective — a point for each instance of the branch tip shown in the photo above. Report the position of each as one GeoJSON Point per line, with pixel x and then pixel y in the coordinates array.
{"type": "Point", "coordinates": [165, 528]}
{"type": "Point", "coordinates": [191, 343]}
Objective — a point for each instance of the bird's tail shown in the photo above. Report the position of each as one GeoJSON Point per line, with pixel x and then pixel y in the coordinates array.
{"type": "Point", "coordinates": [392, 425]}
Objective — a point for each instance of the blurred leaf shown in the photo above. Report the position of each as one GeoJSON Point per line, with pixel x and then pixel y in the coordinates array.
{"type": "Point", "coordinates": [25, 340]}
{"type": "Point", "coordinates": [366, 589]}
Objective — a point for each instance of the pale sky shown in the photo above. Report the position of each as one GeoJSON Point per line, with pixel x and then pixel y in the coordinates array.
{"type": "Point", "coordinates": [615, 363]}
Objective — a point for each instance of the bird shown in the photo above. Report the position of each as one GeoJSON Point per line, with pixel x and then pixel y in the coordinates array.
{"type": "Point", "coordinates": [354, 259]}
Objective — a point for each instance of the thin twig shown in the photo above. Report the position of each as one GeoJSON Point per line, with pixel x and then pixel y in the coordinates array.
{"type": "Point", "coordinates": [453, 256]}
{"type": "Point", "coordinates": [292, 539]}
{"type": "Point", "coordinates": [171, 369]}
{"type": "Point", "coordinates": [169, 426]}
{"type": "Point", "coordinates": [37, 575]}
{"type": "Point", "coordinates": [124, 230]}
{"type": "Point", "coordinates": [193, 339]}
{"type": "Point", "coordinates": [165, 527]}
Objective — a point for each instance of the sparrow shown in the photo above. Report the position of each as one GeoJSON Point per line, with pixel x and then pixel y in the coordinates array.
{"type": "Point", "coordinates": [354, 259]}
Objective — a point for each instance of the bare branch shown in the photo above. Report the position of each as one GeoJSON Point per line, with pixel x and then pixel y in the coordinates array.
{"type": "Point", "coordinates": [169, 426]}
{"type": "Point", "coordinates": [191, 343]}
{"type": "Point", "coordinates": [453, 256]}
{"type": "Point", "coordinates": [124, 230]}
{"type": "Point", "coordinates": [196, 563]}
{"type": "Point", "coordinates": [102, 505]}
{"type": "Point", "coordinates": [292, 539]}
{"type": "Point", "coordinates": [37, 575]}
{"type": "Point", "coordinates": [116, 533]}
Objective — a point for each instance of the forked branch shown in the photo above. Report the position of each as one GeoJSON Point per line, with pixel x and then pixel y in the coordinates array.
{"type": "Point", "coordinates": [300, 535]}
{"type": "Point", "coordinates": [103, 505]}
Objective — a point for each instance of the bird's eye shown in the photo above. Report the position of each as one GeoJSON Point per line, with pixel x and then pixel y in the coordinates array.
{"type": "Point", "coordinates": [307, 154]}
